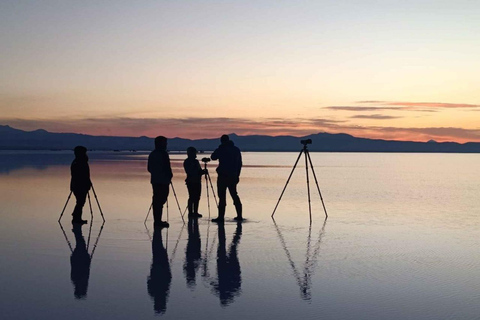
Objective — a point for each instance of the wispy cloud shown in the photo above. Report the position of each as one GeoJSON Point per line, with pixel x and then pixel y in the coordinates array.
{"type": "Point", "coordinates": [374, 117]}
{"type": "Point", "coordinates": [421, 105]}
{"type": "Point", "coordinates": [195, 128]}
{"type": "Point", "coordinates": [360, 108]}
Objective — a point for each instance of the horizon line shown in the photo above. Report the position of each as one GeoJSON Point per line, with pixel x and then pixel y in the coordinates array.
{"type": "Point", "coordinates": [238, 135]}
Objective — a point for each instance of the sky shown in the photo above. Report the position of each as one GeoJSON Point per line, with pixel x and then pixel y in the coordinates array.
{"type": "Point", "coordinates": [399, 70]}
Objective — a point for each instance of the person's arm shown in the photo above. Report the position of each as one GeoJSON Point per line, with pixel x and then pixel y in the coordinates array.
{"type": "Point", "coordinates": [149, 165]}
{"type": "Point", "coordinates": [71, 175]}
{"type": "Point", "coordinates": [200, 170]}
{"type": "Point", "coordinates": [168, 168]}
{"type": "Point", "coordinates": [214, 155]}
{"type": "Point", "coordinates": [190, 168]}
{"type": "Point", "coordinates": [87, 174]}
{"type": "Point", "coordinates": [240, 164]}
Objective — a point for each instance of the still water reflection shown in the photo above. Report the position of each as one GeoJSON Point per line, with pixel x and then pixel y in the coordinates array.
{"type": "Point", "coordinates": [401, 242]}
{"type": "Point", "coordinates": [228, 283]}
{"type": "Point", "coordinates": [80, 258]}
{"type": "Point", "coordinates": [304, 275]}
{"type": "Point", "coordinates": [160, 277]}
{"type": "Point", "coordinates": [80, 261]}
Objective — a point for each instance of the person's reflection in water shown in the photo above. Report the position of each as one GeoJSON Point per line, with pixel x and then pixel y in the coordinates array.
{"type": "Point", "coordinates": [229, 282]}
{"type": "Point", "coordinates": [192, 253]}
{"type": "Point", "coordinates": [80, 262]}
{"type": "Point", "coordinates": [158, 283]}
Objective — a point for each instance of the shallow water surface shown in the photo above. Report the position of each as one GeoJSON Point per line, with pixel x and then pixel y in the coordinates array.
{"type": "Point", "coordinates": [401, 241]}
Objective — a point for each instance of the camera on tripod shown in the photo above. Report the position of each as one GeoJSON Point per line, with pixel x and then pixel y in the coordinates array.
{"type": "Point", "coordinates": [206, 160]}
{"type": "Point", "coordinates": [305, 142]}
{"type": "Point", "coordinates": [308, 162]}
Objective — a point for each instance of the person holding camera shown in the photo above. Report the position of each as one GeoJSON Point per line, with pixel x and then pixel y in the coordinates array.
{"type": "Point", "coordinates": [229, 168]}
{"type": "Point", "coordinates": [161, 177]}
{"type": "Point", "coordinates": [194, 181]}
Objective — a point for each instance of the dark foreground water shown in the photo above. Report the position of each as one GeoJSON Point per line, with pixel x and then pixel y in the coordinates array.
{"type": "Point", "coordinates": [401, 241]}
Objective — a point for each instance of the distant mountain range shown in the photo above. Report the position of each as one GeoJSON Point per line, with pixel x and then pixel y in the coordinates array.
{"type": "Point", "coordinates": [15, 139]}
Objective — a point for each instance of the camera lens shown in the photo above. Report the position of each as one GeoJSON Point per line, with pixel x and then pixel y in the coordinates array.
{"type": "Point", "coordinates": [306, 141]}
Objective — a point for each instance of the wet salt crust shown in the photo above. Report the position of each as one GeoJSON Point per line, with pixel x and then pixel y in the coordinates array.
{"type": "Point", "coordinates": [401, 241]}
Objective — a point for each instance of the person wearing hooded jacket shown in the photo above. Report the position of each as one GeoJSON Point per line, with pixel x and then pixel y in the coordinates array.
{"type": "Point", "coordinates": [161, 177]}
{"type": "Point", "coordinates": [80, 183]}
{"type": "Point", "coordinates": [229, 168]}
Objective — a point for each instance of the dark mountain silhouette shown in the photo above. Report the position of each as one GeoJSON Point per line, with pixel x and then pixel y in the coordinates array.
{"type": "Point", "coordinates": [15, 139]}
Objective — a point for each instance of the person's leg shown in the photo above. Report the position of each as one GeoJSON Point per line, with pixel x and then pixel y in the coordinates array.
{"type": "Point", "coordinates": [222, 196]}
{"type": "Point", "coordinates": [190, 203]}
{"type": "Point", "coordinates": [232, 188]}
{"type": "Point", "coordinates": [81, 197]}
{"type": "Point", "coordinates": [165, 189]}
{"type": "Point", "coordinates": [157, 207]}
{"type": "Point", "coordinates": [197, 190]}
{"type": "Point", "coordinates": [160, 195]}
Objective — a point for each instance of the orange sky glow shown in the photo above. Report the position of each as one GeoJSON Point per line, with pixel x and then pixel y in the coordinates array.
{"type": "Point", "coordinates": [397, 71]}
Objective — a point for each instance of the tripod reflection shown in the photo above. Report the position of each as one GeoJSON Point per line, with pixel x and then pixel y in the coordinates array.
{"type": "Point", "coordinates": [304, 276]}
{"type": "Point", "coordinates": [81, 259]}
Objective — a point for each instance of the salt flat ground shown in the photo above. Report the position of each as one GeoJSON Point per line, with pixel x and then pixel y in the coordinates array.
{"type": "Point", "coordinates": [401, 241]}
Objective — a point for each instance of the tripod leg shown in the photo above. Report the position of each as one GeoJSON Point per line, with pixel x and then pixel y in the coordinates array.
{"type": "Point", "coordinates": [308, 186]}
{"type": "Point", "coordinates": [208, 195]}
{"type": "Point", "coordinates": [213, 190]}
{"type": "Point", "coordinates": [148, 213]}
{"type": "Point", "coordinates": [91, 220]}
{"type": "Point", "coordinates": [65, 235]}
{"type": "Point", "coordinates": [96, 242]}
{"type": "Point", "coordinates": [288, 180]}
{"type": "Point", "coordinates": [318, 188]}
{"type": "Point", "coordinates": [91, 223]}
{"type": "Point", "coordinates": [90, 205]}
{"type": "Point", "coordinates": [65, 206]}
{"type": "Point", "coordinates": [167, 212]}
{"type": "Point", "coordinates": [178, 204]}
{"type": "Point", "coordinates": [98, 203]}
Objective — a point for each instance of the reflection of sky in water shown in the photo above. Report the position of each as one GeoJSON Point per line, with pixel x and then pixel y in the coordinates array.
{"type": "Point", "coordinates": [401, 241]}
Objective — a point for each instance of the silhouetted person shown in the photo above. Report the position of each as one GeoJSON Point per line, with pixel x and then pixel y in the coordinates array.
{"type": "Point", "coordinates": [158, 283]}
{"type": "Point", "coordinates": [229, 168]}
{"type": "Point", "coordinates": [229, 282]}
{"type": "Point", "coordinates": [194, 181]}
{"type": "Point", "coordinates": [161, 177]}
{"type": "Point", "coordinates": [193, 253]}
{"type": "Point", "coordinates": [80, 183]}
{"type": "Point", "coordinates": [80, 262]}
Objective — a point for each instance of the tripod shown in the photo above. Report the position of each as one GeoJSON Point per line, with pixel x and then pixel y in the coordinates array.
{"type": "Point", "coordinates": [178, 205]}
{"type": "Point", "coordinates": [208, 181]}
{"type": "Point", "coordinates": [89, 202]}
{"type": "Point", "coordinates": [308, 161]}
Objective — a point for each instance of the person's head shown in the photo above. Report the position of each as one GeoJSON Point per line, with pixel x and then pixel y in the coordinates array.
{"type": "Point", "coordinates": [191, 152]}
{"type": "Point", "coordinates": [80, 152]}
{"type": "Point", "coordinates": [224, 139]}
{"type": "Point", "coordinates": [161, 143]}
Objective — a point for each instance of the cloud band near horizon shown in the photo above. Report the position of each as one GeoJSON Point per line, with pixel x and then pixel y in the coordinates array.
{"type": "Point", "coordinates": [196, 128]}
